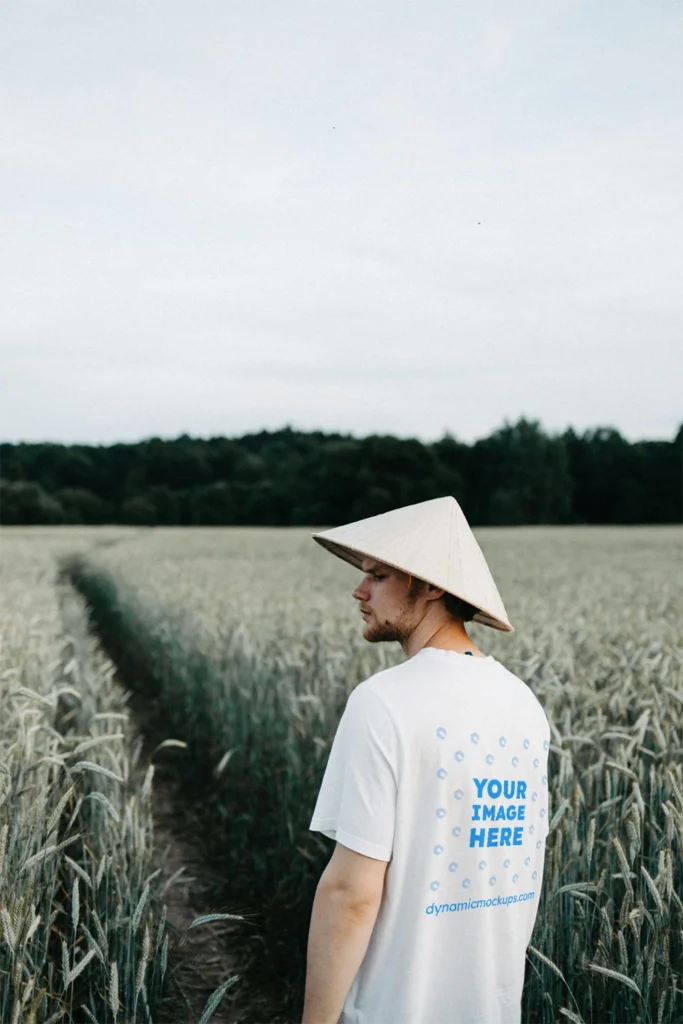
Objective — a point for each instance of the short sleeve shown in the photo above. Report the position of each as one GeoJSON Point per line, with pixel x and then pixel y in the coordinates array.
{"type": "Point", "coordinates": [356, 805]}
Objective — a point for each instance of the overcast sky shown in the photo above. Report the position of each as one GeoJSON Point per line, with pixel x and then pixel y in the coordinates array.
{"type": "Point", "coordinates": [369, 217]}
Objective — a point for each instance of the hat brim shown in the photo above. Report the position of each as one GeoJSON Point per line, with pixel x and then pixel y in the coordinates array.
{"type": "Point", "coordinates": [355, 557]}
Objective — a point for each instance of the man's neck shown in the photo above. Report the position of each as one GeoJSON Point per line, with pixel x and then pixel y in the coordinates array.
{"type": "Point", "coordinates": [445, 636]}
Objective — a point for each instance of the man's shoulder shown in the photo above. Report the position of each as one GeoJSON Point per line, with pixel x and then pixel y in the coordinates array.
{"type": "Point", "coordinates": [381, 684]}
{"type": "Point", "coordinates": [386, 677]}
{"type": "Point", "coordinates": [398, 684]}
{"type": "Point", "coordinates": [392, 686]}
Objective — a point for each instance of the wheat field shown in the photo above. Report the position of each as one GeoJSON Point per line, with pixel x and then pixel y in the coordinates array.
{"type": "Point", "coordinates": [83, 931]}
{"type": "Point", "coordinates": [246, 643]}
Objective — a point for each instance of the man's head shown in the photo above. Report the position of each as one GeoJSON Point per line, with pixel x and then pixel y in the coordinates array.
{"type": "Point", "coordinates": [394, 603]}
{"type": "Point", "coordinates": [432, 540]}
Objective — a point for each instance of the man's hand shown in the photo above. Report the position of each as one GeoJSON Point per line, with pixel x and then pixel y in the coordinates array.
{"type": "Point", "coordinates": [344, 911]}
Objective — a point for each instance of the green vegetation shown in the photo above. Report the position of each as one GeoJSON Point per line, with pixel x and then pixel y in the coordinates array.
{"type": "Point", "coordinates": [247, 644]}
{"type": "Point", "coordinates": [518, 475]}
{"type": "Point", "coordinates": [83, 930]}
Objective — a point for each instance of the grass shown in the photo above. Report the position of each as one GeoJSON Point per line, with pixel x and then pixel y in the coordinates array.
{"type": "Point", "coordinates": [83, 931]}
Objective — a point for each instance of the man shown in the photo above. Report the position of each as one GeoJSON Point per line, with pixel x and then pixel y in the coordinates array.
{"type": "Point", "coordinates": [435, 792]}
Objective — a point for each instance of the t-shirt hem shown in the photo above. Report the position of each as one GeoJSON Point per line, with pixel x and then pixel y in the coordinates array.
{"type": "Point", "coordinates": [329, 828]}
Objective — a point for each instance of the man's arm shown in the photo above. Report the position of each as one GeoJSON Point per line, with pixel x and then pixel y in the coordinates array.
{"type": "Point", "coordinates": [345, 907]}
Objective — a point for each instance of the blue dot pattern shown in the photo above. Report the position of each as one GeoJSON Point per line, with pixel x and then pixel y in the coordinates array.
{"type": "Point", "coordinates": [480, 754]}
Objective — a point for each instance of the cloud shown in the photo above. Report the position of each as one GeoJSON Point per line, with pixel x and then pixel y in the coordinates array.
{"type": "Point", "coordinates": [329, 217]}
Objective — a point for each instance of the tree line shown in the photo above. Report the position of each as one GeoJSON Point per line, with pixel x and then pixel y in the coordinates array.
{"type": "Point", "coordinates": [518, 475]}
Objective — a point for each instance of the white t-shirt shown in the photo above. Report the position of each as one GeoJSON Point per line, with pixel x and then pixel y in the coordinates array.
{"type": "Point", "coordinates": [439, 765]}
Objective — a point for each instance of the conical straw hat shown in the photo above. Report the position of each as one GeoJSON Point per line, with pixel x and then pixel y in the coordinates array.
{"type": "Point", "coordinates": [433, 541]}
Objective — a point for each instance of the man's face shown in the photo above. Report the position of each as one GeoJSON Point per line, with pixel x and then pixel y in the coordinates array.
{"type": "Point", "coordinates": [390, 606]}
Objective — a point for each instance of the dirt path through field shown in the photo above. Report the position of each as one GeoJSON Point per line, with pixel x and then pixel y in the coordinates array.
{"type": "Point", "coordinates": [202, 958]}
{"type": "Point", "coordinates": [200, 961]}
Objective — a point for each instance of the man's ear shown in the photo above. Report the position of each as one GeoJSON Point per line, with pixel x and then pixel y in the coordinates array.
{"type": "Point", "coordinates": [434, 593]}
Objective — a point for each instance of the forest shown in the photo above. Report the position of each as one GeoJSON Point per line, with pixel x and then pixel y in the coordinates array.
{"type": "Point", "coordinates": [519, 475]}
